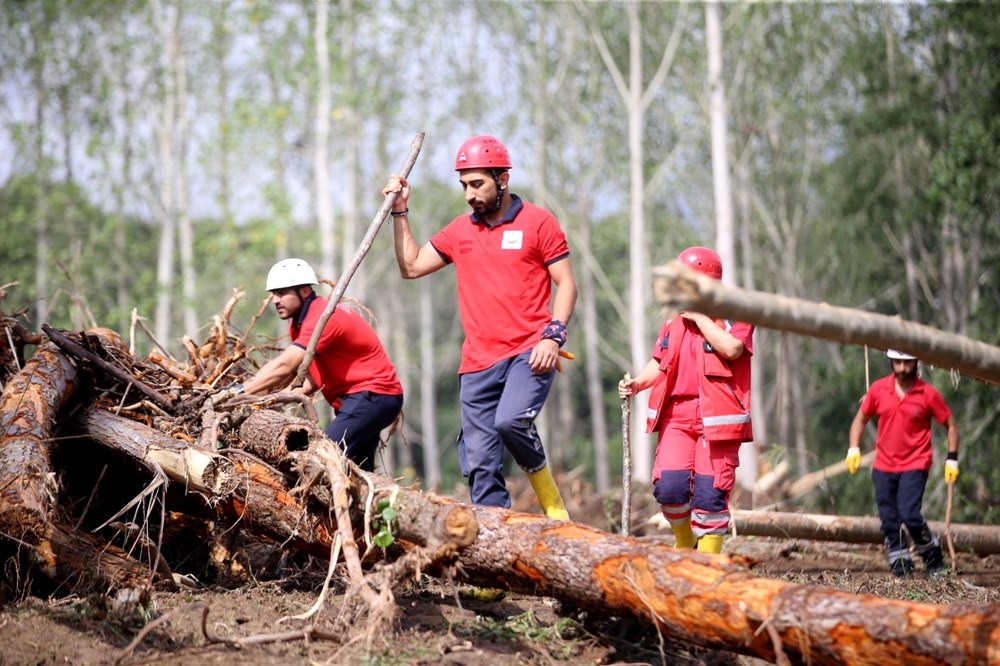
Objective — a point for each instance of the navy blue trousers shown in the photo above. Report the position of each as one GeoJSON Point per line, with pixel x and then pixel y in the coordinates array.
{"type": "Point", "coordinates": [900, 498]}
{"type": "Point", "coordinates": [499, 407]}
{"type": "Point", "coordinates": [359, 421]}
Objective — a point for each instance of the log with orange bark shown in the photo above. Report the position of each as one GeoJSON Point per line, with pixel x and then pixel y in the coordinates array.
{"type": "Point", "coordinates": [713, 601]}
{"type": "Point", "coordinates": [717, 602]}
{"type": "Point", "coordinates": [29, 406]}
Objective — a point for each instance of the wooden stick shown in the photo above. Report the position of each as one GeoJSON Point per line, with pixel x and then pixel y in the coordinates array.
{"type": "Point", "coordinates": [626, 464]}
{"type": "Point", "coordinates": [947, 524]}
{"type": "Point", "coordinates": [349, 271]}
{"type": "Point", "coordinates": [76, 350]}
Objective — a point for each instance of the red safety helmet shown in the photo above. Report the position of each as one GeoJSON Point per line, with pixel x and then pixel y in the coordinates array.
{"type": "Point", "coordinates": [482, 152]}
{"type": "Point", "coordinates": [704, 260]}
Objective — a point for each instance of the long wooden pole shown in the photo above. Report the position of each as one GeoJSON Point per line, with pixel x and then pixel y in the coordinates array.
{"type": "Point", "coordinates": [626, 464]}
{"type": "Point", "coordinates": [679, 287]}
{"type": "Point", "coordinates": [359, 255]}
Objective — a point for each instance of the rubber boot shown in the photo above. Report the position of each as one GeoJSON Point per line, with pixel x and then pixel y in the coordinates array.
{"type": "Point", "coordinates": [710, 543]}
{"type": "Point", "coordinates": [684, 537]}
{"type": "Point", "coordinates": [548, 494]}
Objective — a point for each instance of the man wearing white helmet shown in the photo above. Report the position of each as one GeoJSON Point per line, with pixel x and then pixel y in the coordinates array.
{"type": "Point", "coordinates": [351, 366]}
{"type": "Point", "coordinates": [904, 404]}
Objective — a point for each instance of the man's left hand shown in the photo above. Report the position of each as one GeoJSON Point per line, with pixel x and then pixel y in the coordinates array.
{"type": "Point", "coordinates": [950, 471]}
{"type": "Point", "coordinates": [544, 356]}
{"type": "Point", "coordinates": [226, 394]}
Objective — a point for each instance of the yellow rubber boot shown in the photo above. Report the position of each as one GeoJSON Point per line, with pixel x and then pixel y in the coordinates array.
{"type": "Point", "coordinates": [684, 537]}
{"type": "Point", "coordinates": [710, 543]}
{"type": "Point", "coordinates": [548, 494]}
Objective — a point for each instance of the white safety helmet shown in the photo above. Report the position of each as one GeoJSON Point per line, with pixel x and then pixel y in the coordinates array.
{"type": "Point", "coordinates": [897, 355]}
{"type": "Point", "coordinates": [290, 273]}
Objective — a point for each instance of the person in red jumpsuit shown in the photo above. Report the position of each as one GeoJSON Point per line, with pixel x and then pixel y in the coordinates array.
{"type": "Point", "coordinates": [700, 406]}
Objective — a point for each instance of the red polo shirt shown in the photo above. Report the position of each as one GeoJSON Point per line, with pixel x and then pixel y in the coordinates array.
{"type": "Point", "coordinates": [349, 357]}
{"type": "Point", "coordinates": [903, 442]}
{"type": "Point", "coordinates": [503, 280]}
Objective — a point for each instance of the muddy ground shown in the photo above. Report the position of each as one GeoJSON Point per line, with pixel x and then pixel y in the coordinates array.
{"type": "Point", "coordinates": [435, 625]}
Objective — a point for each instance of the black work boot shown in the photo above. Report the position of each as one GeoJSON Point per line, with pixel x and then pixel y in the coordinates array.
{"type": "Point", "coordinates": [934, 562]}
{"type": "Point", "coordinates": [902, 567]}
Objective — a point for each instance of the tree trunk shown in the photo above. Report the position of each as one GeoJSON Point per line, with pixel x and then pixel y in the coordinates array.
{"type": "Point", "coordinates": [980, 539]}
{"type": "Point", "coordinates": [321, 149]}
{"type": "Point", "coordinates": [263, 504]}
{"type": "Point", "coordinates": [198, 470]}
{"type": "Point", "coordinates": [680, 288]}
{"type": "Point", "coordinates": [715, 601]}
{"type": "Point", "coordinates": [29, 407]}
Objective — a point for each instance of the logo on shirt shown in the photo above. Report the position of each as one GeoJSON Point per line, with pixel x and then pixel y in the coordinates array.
{"type": "Point", "coordinates": [512, 239]}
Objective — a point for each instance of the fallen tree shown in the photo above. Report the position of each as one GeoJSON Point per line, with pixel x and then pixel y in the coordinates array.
{"type": "Point", "coordinates": [677, 286]}
{"type": "Point", "coordinates": [295, 488]}
{"type": "Point", "coordinates": [978, 539]}
{"type": "Point", "coordinates": [715, 601]}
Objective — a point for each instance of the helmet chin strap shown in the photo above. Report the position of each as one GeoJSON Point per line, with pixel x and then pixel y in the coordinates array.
{"type": "Point", "coordinates": [499, 201]}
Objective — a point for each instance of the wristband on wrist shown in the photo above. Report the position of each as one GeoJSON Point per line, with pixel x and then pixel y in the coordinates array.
{"type": "Point", "coordinates": [399, 213]}
{"type": "Point", "coordinates": [555, 330]}
{"type": "Point", "coordinates": [952, 455]}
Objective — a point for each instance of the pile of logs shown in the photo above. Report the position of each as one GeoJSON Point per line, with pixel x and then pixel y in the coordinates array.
{"type": "Point", "coordinates": [109, 461]}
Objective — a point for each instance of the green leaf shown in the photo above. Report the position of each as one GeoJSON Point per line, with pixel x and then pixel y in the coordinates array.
{"type": "Point", "coordinates": [384, 539]}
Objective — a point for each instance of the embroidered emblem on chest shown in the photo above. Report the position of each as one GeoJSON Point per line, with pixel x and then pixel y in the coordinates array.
{"type": "Point", "coordinates": [512, 239]}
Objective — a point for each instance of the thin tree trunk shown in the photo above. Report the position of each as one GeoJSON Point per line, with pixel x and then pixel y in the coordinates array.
{"type": "Point", "coordinates": [428, 393]}
{"type": "Point", "coordinates": [39, 33]}
{"type": "Point", "coordinates": [189, 281]}
{"type": "Point", "coordinates": [636, 97]}
{"type": "Point", "coordinates": [166, 21]}
{"type": "Point", "coordinates": [352, 144]}
{"type": "Point", "coordinates": [321, 151]}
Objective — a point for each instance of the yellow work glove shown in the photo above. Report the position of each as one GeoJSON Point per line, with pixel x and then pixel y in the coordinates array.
{"type": "Point", "coordinates": [853, 459]}
{"type": "Point", "coordinates": [950, 471]}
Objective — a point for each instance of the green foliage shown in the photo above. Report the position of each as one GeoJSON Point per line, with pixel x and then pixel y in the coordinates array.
{"type": "Point", "coordinates": [382, 523]}
{"type": "Point", "coordinates": [557, 639]}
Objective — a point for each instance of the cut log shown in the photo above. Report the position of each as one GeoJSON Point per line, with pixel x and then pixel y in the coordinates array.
{"type": "Point", "coordinates": [29, 406]}
{"type": "Point", "coordinates": [80, 557]}
{"type": "Point", "coordinates": [262, 504]}
{"type": "Point", "coordinates": [979, 539]}
{"type": "Point", "coordinates": [715, 601]}
{"type": "Point", "coordinates": [679, 287]}
{"type": "Point", "coordinates": [270, 435]}
{"type": "Point", "coordinates": [202, 471]}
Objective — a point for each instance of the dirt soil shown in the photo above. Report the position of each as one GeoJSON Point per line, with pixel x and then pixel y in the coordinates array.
{"type": "Point", "coordinates": [434, 625]}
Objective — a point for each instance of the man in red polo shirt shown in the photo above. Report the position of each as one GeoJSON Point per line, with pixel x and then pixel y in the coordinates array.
{"type": "Point", "coordinates": [350, 367]}
{"type": "Point", "coordinates": [507, 254]}
{"type": "Point", "coordinates": [904, 404]}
